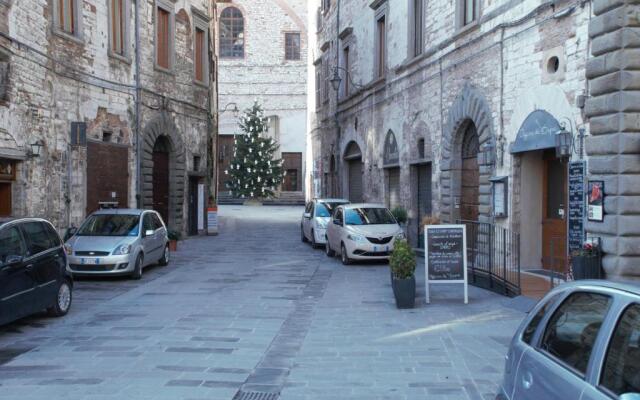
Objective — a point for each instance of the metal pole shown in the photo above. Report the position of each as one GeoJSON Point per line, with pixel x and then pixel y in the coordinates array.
{"type": "Point", "coordinates": [338, 160]}
{"type": "Point", "coordinates": [137, 108]}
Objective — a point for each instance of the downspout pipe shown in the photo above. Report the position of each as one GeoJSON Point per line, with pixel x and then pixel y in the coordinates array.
{"type": "Point", "coordinates": [338, 133]}
{"type": "Point", "coordinates": [137, 108]}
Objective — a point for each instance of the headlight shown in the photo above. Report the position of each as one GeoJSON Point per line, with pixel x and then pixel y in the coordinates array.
{"type": "Point", "coordinates": [122, 250]}
{"type": "Point", "coordinates": [68, 249]}
{"type": "Point", "coordinates": [356, 238]}
{"type": "Point", "coordinates": [400, 236]}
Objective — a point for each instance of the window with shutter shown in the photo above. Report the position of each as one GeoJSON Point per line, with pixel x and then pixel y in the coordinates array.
{"type": "Point", "coordinates": [162, 42]}
{"type": "Point", "coordinates": [199, 57]}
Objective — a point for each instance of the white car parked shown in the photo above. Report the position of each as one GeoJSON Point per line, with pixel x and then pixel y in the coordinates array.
{"type": "Point", "coordinates": [316, 217]}
{"type": "Point", "coordinates": [362, 232]}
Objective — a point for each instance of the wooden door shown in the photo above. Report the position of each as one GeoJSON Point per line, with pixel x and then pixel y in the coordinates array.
{"type": "Point", "coordinates": [393, 187]}
{"type": "Point", "coordinates": [355, 180]}
{"type": "Point", "coordinates": [225, 156]}
{"type": "Point", "coordinates": [107, 174]}
{"type": "Point", "coordinates": [424, 196]}
{"type": "Point", "coordinates": [469, 197]}
{"type": "Point", "coordinates": [293, 166]}
{"type": "Point", "coordinates": [554, 225]}
{"type": "Point", "coordinates": [161, 184]}
{"type": "Point", "coordinates": [5, 199]}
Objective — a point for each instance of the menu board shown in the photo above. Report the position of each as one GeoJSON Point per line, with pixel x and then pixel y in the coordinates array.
{"type": "Point", "coordinates": [577, 170]}
{"type": "Point", "coordinates": [445, 256]}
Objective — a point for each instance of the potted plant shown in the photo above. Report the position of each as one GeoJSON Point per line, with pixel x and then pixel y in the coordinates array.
{"type": "Point", "coordinates": [174, 237]}
{"type": "Point", "coordinates": [585, 263]}
{"type": "Point", "coordinates": [403, 279]}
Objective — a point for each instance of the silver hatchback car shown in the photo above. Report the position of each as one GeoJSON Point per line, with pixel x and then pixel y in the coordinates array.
{"type": "Point", "coordinates": [118, 242]}
{"type": "Point", "coordinates": [581, 342]}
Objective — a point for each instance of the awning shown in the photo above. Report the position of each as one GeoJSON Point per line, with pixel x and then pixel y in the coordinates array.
{"type": "Point", "coordinates": [538, 131]}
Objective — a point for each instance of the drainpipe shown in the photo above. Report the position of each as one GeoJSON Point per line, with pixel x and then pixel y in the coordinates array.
{"type": "Point", "coordinates": [137, 108]}
{"type": "Point", "coordinates": [338, 133]}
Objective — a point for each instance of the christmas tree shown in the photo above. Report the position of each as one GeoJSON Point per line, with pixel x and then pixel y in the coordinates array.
{"type": "Point", "coordinates": [254, 173]}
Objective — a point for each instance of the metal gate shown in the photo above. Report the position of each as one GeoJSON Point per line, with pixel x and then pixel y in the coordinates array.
{"type": "Point", "coordinates": [493, 257]}
{"type": "Point", "coordinates": [355, 181]}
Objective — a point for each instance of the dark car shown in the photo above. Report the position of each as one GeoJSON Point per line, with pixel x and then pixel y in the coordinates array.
{"type": "Point", "coordinates": [33, 270]}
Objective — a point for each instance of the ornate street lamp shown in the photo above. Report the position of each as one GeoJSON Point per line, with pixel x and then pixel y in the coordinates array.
{"type": "Point", "coordinates": [335, 80]}
{"type": "Point", "coordinates": [564, 142]}
{"type": "Point", "coordinates": [235, 110]}
{"type": "Point", "coordinates": [36, 148]}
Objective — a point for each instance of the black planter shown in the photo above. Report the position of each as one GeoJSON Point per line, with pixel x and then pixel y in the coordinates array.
{"type": "Point", "coordinates": [404, 291]}
{"type": "Point", "coordinates": [586, 267]}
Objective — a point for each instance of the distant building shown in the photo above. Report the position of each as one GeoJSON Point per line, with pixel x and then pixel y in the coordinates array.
{"type": "Point", "coordinates": [452, 108]}
{"type": "Point", "coordinates": [262, 51]}
{"type": "Point", "coordinates": [75, 132]}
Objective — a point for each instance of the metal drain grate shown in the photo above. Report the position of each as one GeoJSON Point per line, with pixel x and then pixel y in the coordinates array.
{"type": "Point", "coordinates": [255, 396]}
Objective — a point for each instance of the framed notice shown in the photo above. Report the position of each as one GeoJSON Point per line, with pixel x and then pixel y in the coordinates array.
{"type": "Point", "coordinates": [500, 196]}
{"type": "Point", "coordinates": [595, 201]}
{"type": "Point", "coordinates": [445, 256]}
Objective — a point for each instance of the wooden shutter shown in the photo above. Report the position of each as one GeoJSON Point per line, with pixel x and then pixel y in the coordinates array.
{"type": "Point", "coordinates": [162, 29]}
{"type": "Point", "coordinates": [199, 55]}
{"type": "Point", "coordinates": [117, 26]}
{"type": "Point", "coordinates": [66, 15]}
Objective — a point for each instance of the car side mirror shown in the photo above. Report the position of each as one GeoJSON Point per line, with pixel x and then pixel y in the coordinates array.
{"type": "Point", "coordinates": [13, 261]}
{"type": "Point", "coordinates": [630, 396]}
{"type": "Point", "coordinates": [336, 221]}
{"type": "Point", "coordinates": [306, 215]}
{"type": "Point", "coordinates": [148, 232]}
{"type": "Point", "coordinates": [69, 233]}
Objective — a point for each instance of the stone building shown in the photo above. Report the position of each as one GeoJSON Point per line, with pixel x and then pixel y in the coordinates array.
{"type": "Point", "coordinates": [453, 108]}
{"type": "Point", "coordinates": [262, 51]}
{"type": "Point", "coordinates": [107, 102]}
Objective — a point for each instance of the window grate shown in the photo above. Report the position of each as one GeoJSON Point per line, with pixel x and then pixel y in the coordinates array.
{"type": "Point", "coordinates": [241, 395]}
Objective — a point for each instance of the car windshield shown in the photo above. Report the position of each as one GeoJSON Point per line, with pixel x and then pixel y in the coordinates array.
{"type": "Point", "coordinates": [326, 209]}
{"type": "Point", "coordinates": [110, 225]}
{"type": "Point", "coordinates": [369, 216]}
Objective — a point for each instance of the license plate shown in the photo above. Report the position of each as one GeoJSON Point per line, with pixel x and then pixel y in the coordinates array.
{"type": "Point", "coordinates": [85, 261]}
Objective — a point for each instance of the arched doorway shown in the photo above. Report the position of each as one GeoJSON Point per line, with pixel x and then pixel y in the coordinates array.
{"type": "Point", "coordinates": [161, 151]}
{"type": "Point", "coordinates": [355, 169]}
{"type": "Point", "coordinates": [470, 174]}
{"type": "Point", "coordinates": [391, 165]}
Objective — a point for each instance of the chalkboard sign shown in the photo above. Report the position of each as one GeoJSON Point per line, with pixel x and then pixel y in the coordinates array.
{"type": "Point", "coordinates": [576, 232]}
{"type": "Point", "coordinates": [446, 255]}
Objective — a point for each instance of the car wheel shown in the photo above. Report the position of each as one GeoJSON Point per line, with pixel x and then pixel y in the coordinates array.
{"type": "Point", "coordinates": [164, 260]}
{"type": "Point", "coordinates": [137, 270]}
{"type": "Point", "coordinates": [62, 301]}
{"type": "Point", "coordinates": [302, 236]}
{"type": "Point", "coordinates": [327, 249]}
{"type": "Point", "coordinates": [344, 257]}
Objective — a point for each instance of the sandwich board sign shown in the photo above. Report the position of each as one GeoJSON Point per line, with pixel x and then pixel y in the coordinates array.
{"type": "Point", "coordinates": [445, 256]}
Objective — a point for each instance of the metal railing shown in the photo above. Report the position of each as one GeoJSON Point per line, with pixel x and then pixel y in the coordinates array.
{"type": "Point", "coordinates": [493, 257]}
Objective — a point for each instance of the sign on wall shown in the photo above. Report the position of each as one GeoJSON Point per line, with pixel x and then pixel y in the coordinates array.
{"type": "Point", "coordinates": [445, 256]}
{"type": "Point", "coordinates": [391, 154]}
{"type": "Point", "coordinates": [576, 233]}
{"type": "Point", "coordinates": [595, 201]}
{"type": "Point", "coordinates": [538, 131]}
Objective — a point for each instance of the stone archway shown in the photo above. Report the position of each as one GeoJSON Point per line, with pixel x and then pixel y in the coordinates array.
{"type": "Point", "coordinates": [161, 134]}
{"type": "Point", "coordinates": [469, 107]}
{"type": "Point", "coordinates": [355, 170]}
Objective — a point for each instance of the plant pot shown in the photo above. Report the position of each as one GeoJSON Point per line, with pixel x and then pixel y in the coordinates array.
{"type": "Point", "coordinates": [404, 290]}
{"type": "Point", "coordinates": [173, 245]}
{"type": "Point", "coordinates": [586, 267]}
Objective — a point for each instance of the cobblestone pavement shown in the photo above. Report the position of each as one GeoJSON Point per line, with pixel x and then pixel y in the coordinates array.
{"type": "Point", "coordinates": [255, 310]}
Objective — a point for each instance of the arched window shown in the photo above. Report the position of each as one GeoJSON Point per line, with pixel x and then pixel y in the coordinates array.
{"type": "Point", "coordinates": [231, 33]}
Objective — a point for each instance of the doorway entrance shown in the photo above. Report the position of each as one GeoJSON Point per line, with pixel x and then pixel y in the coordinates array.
{"type": "Point", "coordinates": [423, 198]}
{"type": "Point", "coordinates": [355, 169]}
{"type": "Point", "coordinates": [470, 182]}
{"type": "Point", "coordinates": [161, 151]}
{"type": "Point", "coordinates": [554, 226]}
{"type": "Point", "coordinates": [193, 205]}
{"type": "Point", "coordinates": [293, 166]}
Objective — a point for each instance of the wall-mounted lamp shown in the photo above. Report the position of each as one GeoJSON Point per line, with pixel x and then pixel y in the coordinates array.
{"type": "Point", "coordinates": [336, 80]}
{"type": "Point", "coordinates": [235, 109]}
{"type": "Point", "coordinates": [564, 141]}
{"type": "Point", "coordinates": [36, 148]}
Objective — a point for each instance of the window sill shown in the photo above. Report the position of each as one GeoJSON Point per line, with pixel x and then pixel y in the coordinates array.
{"type": "Point", "coordinates": [163, 69]}
{"type": "Point", "coordinates": [204, 85]}
{"type": "Point", "coordinates": [68, 36]}
{"type": "Point", "coordinates": [464, 30]}
{"type": "Point", "coordinates": [123, 58]}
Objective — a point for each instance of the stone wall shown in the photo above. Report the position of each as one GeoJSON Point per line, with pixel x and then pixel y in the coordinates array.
{"type": "Point", "coordinates": [56, 79]}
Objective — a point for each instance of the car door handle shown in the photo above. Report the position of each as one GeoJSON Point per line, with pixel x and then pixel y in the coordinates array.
{"type": "Point", "coordinates": [527, 380]}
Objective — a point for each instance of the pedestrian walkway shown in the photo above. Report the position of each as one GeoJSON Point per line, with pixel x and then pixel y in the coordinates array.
{"type": "Point", "coordinates": [255, 311]}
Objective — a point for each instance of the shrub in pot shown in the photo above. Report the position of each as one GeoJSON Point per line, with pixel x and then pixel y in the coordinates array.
{"type": "Point", "coordinates": [174, 237]}
{"type": "Point", "coordinates": [585, 263]}
{"type": "Point", "coordinates": [403, 279]}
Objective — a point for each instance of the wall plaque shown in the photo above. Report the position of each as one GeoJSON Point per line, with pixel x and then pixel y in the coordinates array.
{"type": "Point", "coordinates": [576, 233]}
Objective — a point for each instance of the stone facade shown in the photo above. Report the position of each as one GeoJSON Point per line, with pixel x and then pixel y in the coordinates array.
{"type": "Point", "coordinates": [266, 75]}
{"type": "Point", "coordinates": [66, 90]}
{"type": "Point", "coordinates": [481, 80]}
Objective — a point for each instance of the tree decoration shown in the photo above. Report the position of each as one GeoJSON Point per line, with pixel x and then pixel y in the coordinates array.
{"type": "Point", "coordinates": [256, 172]}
